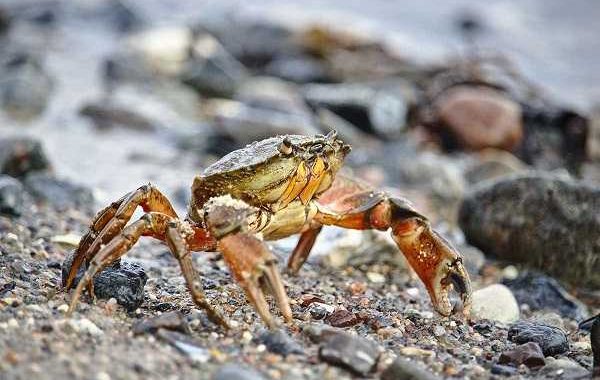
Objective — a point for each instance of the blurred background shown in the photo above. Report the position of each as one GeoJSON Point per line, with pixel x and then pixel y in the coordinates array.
{"type": "Point", "coordinates": [120, 93]}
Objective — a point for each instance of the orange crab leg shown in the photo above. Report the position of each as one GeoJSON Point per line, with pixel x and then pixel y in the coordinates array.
{"type": "Point", "coordinates": [350, 204]}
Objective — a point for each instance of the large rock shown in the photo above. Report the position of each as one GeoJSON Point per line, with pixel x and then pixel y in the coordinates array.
{"type": "Point", "coordinates": [59, 193]}
{"type": "Point", "coordinates": [479, 117]}
{"type": "Point", "coordinates": [541, 220]}
{"type": "Point", "coordinates": [354, 353]}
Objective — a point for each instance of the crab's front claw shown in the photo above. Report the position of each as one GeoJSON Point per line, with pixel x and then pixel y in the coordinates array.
{"type": "Point", "coordinates": [435, 261]}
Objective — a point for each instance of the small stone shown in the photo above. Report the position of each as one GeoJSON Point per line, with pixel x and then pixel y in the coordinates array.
{"type": "Point", "coordinates": [102, 376]}
{"type": "Point", "coordinates": [279, 342]}
{"type": "Point", "coordinates": [552, 340]}
{"type": "Point", "coordinates": [11, 196]}
{"type": "Point", "coordinates": [123, 281]}
{"type": "Point", "coordinates": [563, 368]}
{"type": "Point", "coordinates": [173, 321]}
{"type": "Point", "coordinates": [63, 308]}
{"type": "Point", "coordinates": [342, 318]}
{"type": "Point", "coordinates": [495, 302]}
{"type": "Point", "coordinates": [320, 310]}
{"type": "Point", "coordinates": [439, 331]}
{"type": "Point", "coordinates": [503, 370]}
{"type": "Point", "coordinates": [356, 354]}
{"type": "Point", "coordinates": [529, 354]}
{"type": "Point", "coordinates": [185, 345]}
{"type": "Point", "coordinates": [376, 278]}
{"type": "Point", "coordinates": [403, 369]}
{"type": "Point", "coordinates": [416, 351]}
{"type": "Point", "coordinates": [236, 372]}
{"type": "Point", "coordinates": [86, 326]}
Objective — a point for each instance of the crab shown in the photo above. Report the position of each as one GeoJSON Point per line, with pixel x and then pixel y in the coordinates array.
{"type": "Point", "coordinates": [269, 190]}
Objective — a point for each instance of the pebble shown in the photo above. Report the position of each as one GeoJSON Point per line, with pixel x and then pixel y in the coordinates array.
{"type": "Point", "coordinates": [495, 302]}
{"type": "Point", "coordinates": [11, 196]}
{"type": "Point", "coordinates": [84, 325]}
{"type": "Point", "coordinates": [279, 342]}
{"type": "Point", "coordinates": [357, 354]}
{"type": "Point", "coordinates": [552, 340]}
{"type": "Point", "coordinates": [63, 308]}
{"type": "Point", "coordinates": [530, 354]}
{"type": "Point", "coordinates": [541, 292]}
{"type": "Point", "coordinates": [236, 372]}
{"type": "Point", "coordinates": [173, 321]}
{"type": "Point", "coordinates": [123, 281]}
{"type": "Point", "coordinates": [185, 345]}
{"type": "Point", "coordinates": [403, 369]}
{"type": "Point", "coordinates": [376, 278]}
{"type": "Point", "coordinates": [538, 220]}
{"type": "Point", "coordinates": [342, 318]}
{"type": "Point", "coordinates": [320, 310]}
{"type": "Point", "coordinates": [563, 368]}
{"type": "Point", "coordinates": [503, 370]}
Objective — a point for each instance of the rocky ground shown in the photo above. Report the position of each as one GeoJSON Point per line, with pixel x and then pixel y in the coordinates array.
{"type": "Point", "coordinates": [508, 175]}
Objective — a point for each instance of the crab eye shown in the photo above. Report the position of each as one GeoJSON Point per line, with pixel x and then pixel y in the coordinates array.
{"type": "Point", "coordinates": [285, 147]}
{"type": "Point", "coordinates": [316, 148]}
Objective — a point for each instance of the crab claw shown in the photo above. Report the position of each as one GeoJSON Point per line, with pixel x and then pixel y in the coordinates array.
{"type": "Point", "coordinates": [436, 262]}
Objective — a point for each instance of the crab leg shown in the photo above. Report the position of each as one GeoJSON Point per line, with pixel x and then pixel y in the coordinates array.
{"type": "Point", "coordinates": [350, 204]}
{"type": "Point", "coordinates": [159, 226]}
{"type": "Point", "coordinates": [248, 257]}
{"type": "Point", "coordinates": [110, 221]}
{"type": "Point", "coordinates": [302, 250]}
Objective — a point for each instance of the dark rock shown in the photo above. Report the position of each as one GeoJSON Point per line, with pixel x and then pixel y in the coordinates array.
{"type": "Point", "coordinates": [342, 318]}
{"type": "Point", "coordinates": [274, 95]}
{"type": "Point", "coordinates": [478, 117]}
{"type": "Point", "coordinates": [540, 220]}
{"type": "Point", "coordinates": [119, 14]}
{"type": "Point", "coordinates": [554, 138]}
{"type": "Point", "coordinates": [253, 42]}
{"type": "Point", "coordinates": [211, 70]}
{"type": "Point", "coordinates": [123, 281]}
{"type": "Point", "coordinates": [529, 354]}
{"type": "Point", "coordinates": [298, 69]}
{"type": "Point", "coordinates": [244, 124]}
{"type": "Point", "coordinates": [11, 196]}
{"type": "Point", "coordinates": [279, 342]}
{"type": "Point", "coordinates": [20, 156]}
{"type": "Point", "coordinates": [59, 193]}
{"type": "Point", "coordinates": [236, 372]}
{"type": "Point", "coordinates": [107, 115]}
{"type": "Point", "coordinates": [25, 86]}
{"type": "Point", "coordinates": [381, 111]}
{"type": "Point", "coordinates": [541, 292]}
{"type": "Point", "coordinates": [173, 321]}
{"type": "Point", "coordinates": [5, 20]}
{"type": "Point", "coordinates": [356, 354]}
{"type": "Point", "coordinates": [402, 369]}
{"type": "Point", "coordinates": [503, 370]}
{"type": "Point", "coordinates": [320, 310]}
{"type": "Point", "coordinates": [552, 340]}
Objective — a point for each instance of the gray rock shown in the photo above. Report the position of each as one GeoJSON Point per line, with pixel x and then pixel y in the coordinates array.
{"type": "Point", "coordinates": [356, 354]}
{"type": "Point", "coordinates": [402, 369]}
{"type": "Point", "coordinates": [279, 342]}
{"type": "Point", "coordinates": [552, 340]}
{"type": "Point", "coordinates": [503, 370]}
{"type": "Point", "coordinates": [381, 111]}
{"type": "Point", "coordinates": [11, 196]}
{"type": "Point", "coordinates": [186, 345]}
{"type": "Point", "coordinates": [529, 354]}
{"type": "Point", "coordinates": [173, 321]}
{"type": "Point", "coordinates": [539, 220]}
{"type": "Point", "coordinates": [25, 86]}
{"type": "Point", "coordinates": [59, 193]}
{"type": "Point", "coordinates": [541, 292]}
{"type": "Point", "coordinates": [123, 281]}
{"type": "Point", "coordinates": [211, 70]}
{"type": "Point", "coordinates": [495, 302]}
{"type": "Point", "coordinates": [107, 115]}
{"type": "Point", "coordinates": [298, 69]}
{"type": "Point", "coordinates": [21, 155]}
{"type": "Point", "coordinates": [563, 369]}
{"type": "Point", "coordinates": [236, 372]}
